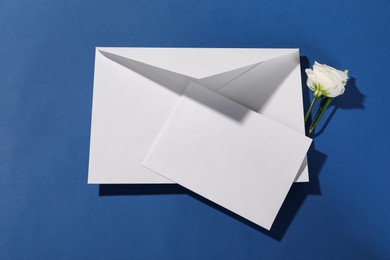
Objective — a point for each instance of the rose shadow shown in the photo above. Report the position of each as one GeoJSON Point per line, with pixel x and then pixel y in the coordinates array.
{"type": "Point", "coordinates": [351, 99]}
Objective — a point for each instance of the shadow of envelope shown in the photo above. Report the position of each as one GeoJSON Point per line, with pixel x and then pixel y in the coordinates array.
{"type": "Point", "coordinates": [135, 90]}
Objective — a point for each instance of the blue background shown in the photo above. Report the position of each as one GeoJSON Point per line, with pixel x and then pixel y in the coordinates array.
{"type": "Point", "coordinates": [47, 210]}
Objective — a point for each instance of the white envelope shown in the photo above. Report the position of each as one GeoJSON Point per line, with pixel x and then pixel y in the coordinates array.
{"type": "Point", "coordinates": [135, 90]}
{"type": "Point", "coordinates": [228, 154]}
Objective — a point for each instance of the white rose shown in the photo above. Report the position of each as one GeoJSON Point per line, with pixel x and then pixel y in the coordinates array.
{"type": "Point", "coordinates": [326, 81]}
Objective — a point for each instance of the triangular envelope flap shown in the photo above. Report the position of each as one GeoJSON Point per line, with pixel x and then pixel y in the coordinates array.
{"type": "Point", "coordinates": [198, 62]}
{"type": "Point", "coordinates": [175, 81]}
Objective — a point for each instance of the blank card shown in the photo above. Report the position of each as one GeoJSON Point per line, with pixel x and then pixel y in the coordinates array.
{"type": "Point", "coordinates": [228, 154]}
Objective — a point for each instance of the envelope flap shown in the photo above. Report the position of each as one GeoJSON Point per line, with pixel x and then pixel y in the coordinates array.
{"type": "Point", "coordinates": [198, 62]}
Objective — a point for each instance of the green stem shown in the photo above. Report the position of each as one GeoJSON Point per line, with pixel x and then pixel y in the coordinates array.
{"type": "Point", "coordinates": [321, 112]}
{"type": "Point", "coordinates": [310, 108]}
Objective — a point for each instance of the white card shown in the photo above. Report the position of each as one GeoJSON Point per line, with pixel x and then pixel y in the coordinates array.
{"type": "Point", "coordinates": [228, 154]}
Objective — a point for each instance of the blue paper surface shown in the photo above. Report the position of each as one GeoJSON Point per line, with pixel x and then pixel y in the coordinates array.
{"type": "Point", "coordinates": [47, 210]}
